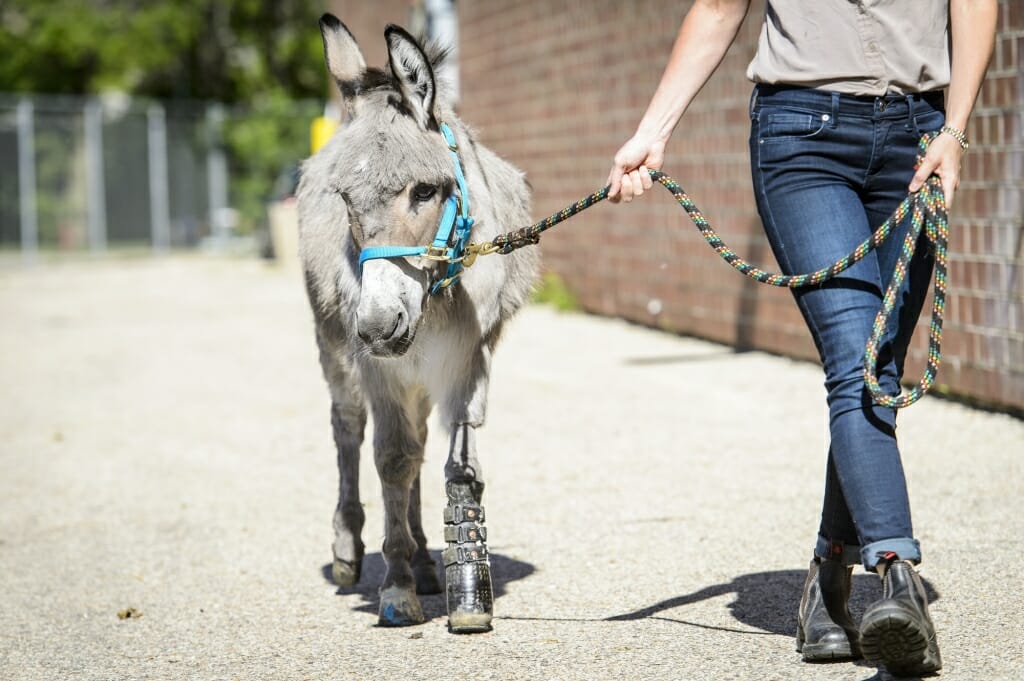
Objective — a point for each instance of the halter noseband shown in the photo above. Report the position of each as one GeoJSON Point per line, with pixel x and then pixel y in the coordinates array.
{"type": "Point", "coordinates": [455, 217]}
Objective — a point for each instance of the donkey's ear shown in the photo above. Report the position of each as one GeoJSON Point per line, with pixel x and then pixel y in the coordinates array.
{"type": "Point", "coordinates": [344, 60]}
{"type": "Point", "coordinates": [411, 68]}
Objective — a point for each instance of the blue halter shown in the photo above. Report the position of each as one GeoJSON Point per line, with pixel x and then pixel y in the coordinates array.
{"type": "Point", "coordinates": [455, 217]}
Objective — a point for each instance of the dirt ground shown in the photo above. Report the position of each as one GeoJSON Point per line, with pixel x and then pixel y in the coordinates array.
{"type": "Point", "coordinates": [167, 482]}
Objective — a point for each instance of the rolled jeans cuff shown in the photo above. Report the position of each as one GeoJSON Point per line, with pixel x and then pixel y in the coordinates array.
{"type": "Point", "coordinates": [826, 549]}
{"type": "Point", "coordinates": [905, 548]}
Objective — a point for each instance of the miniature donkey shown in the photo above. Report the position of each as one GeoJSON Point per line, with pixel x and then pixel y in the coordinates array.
{"type": "Point", "coordinates": [389, 336]}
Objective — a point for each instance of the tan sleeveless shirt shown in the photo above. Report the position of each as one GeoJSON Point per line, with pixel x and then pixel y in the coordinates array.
{"type": "Point", "coordinates": [860, 47]}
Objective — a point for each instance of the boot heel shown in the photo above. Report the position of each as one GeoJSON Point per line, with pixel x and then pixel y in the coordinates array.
{"type": "Point", "coordinates": [891, 637]}
{"type": "Point", "coordinates": [897, 631]}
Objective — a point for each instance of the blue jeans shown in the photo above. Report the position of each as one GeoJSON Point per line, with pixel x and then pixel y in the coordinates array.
{"type": "Point", "coordinates": [828, 169]}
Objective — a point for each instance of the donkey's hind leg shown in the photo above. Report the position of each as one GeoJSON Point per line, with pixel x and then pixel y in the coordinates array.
{"type": "Point", "coordinates": [348, 422]}
{"type": "Point", "coordinates": [349, 517]}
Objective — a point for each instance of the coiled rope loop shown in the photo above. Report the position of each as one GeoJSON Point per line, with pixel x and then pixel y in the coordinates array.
{"type": "Point", "coordinates": [927, 211]}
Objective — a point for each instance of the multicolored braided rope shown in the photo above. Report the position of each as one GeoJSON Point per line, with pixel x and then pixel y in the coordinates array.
{"type": "Point", "coordinates": [927, 210]}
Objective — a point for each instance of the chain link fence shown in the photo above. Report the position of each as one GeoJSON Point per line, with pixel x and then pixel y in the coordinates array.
{"type": "Point", "coordinates": [91, 174]}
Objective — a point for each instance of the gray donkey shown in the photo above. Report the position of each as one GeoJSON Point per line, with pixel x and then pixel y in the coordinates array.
{"type": "Point", "coordinates": [398, 332]}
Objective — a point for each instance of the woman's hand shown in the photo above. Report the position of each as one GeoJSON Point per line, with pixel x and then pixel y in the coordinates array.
{"type": "Point", "coordinates": [708, 29]}
{"type": "Point", "coordinates": [629, 175]}
{"type": "Point", "coordinates": [942, 159]}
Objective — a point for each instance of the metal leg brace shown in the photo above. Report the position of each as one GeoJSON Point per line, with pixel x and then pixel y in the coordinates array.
{"type": "Point", "coordinates": [466, 563]}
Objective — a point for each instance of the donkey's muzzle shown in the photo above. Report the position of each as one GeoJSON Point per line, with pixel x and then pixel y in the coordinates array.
{"type": "Point", "coordinates": [386, 335]}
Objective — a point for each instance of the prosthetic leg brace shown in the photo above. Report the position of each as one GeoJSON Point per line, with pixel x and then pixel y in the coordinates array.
{"type": "Point", "coordinates": [467, 567]}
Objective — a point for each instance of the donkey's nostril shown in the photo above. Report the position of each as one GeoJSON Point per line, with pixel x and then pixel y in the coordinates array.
{"type": "Point", "coordinates": [381, 328]}
{"type": "Point", "coordinates": [398, 329]}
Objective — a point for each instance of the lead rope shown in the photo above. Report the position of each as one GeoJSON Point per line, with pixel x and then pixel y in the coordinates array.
{"type": "Point", "coordinates": [927, 210]}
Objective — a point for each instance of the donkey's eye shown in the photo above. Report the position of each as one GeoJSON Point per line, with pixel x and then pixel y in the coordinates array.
{"type": "Point", "coordinates": [424, 192]}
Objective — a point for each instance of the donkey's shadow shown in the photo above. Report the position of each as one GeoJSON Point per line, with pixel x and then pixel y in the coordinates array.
{"type": "Point", "coordinates": [764, 600]}
{"type": "Point", "coordinates": [503, 571]}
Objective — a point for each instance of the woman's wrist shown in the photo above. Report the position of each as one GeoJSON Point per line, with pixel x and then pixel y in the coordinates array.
{"type": "Point", "coordinates": [956, 133]}
{"type": "Point", "coordinates": [656, 131]}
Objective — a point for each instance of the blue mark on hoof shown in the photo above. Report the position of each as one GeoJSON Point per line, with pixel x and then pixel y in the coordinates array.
{"type": "Point", "coordinates": [398, 608]}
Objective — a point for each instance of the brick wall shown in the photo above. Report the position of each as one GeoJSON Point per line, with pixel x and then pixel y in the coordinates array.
{"type": "Point", "coordinates": [556, 86]}
{"type": "Point", "coordinates": [366, 21]}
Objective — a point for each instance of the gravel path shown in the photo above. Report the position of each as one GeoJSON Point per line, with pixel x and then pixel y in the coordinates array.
{"type": "Point", "coordinates": [165, 447]}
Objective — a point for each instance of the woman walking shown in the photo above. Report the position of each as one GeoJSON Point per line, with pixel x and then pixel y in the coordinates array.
{"type": "Point", "coordinates": [843, 92]}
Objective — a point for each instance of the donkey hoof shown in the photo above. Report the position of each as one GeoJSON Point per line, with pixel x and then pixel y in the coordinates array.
{"type": "Point", "coordinates": [346, 573]}
{"type": "Point", "coordinates": [427, 580]}
{"type": "Point", "coordinates": [470, 599]}
{"type": "Point", "coordinates": [399, 608]}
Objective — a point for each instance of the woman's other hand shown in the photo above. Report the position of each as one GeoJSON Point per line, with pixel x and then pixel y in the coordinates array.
{"type": "Point", "coordinates": [942, 159]}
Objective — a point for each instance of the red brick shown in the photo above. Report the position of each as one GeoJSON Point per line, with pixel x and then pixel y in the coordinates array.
{"type": "Point", "coordinates": [549, 88]}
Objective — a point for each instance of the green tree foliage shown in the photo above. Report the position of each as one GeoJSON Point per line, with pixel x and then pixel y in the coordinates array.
{"type": "Point", "coordinates": [227, 50]}
{"type": "Point", "coordinates": [259, 57]}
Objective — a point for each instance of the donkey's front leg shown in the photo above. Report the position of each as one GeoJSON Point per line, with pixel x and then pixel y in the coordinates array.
{"type": "Point", "coordinates": [424, 569]}
{"type": "Point", "coordinates": [467, 566]}
{"type": "Point", "coordinates": [398, 455]}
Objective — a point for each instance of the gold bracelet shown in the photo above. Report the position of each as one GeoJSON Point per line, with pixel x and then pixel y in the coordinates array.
{"type": "Point", "coordinates": [957, 134]}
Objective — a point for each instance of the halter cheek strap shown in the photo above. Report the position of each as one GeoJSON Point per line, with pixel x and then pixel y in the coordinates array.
{"type": "Point", "coordinates": [455, 218]}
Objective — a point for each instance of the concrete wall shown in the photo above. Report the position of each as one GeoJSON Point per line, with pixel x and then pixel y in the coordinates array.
{"type": "Point", "coordinates": [556, 86]}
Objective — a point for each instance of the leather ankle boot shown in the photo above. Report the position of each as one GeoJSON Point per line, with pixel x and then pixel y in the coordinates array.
{"type": "Point", "coordinates": [897, 631]}
{"type": "Point", "coordinates": [825, 629]}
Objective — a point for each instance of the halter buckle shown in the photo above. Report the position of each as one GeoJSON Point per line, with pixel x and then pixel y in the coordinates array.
{"type": "Point", "coordinates": [437, 254]}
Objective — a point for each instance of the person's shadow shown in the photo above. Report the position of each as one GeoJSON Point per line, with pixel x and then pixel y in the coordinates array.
{"type": "Point", "coordinates": [503, 571]}
{"type": "Point", "coordinates": [764, 600]}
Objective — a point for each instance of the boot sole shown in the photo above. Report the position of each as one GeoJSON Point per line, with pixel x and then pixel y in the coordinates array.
{"type": "Point", "coordinates": [824, 652]}
{"type": "Point", "coordinates": [895, 639]}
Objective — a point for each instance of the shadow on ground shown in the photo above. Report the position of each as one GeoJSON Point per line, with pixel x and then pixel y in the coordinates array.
{"type": "Point", "coordinates": [768, 601]}
{"type": "Point", "coordinates": [660, 360]}
{"type": "Point", "coordinates": [764, 600]}
{"type": "Point", "coordinates": [503, 571]}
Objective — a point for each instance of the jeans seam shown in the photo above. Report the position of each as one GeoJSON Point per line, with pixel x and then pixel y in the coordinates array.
{"type": "Point", "coordinates": [761, 184]}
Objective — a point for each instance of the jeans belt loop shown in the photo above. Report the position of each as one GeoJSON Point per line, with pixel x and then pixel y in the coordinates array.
{"type": "Point", "coordinates": [835, 110]}
{"type": "Point", "coordinates": [910, 111]}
